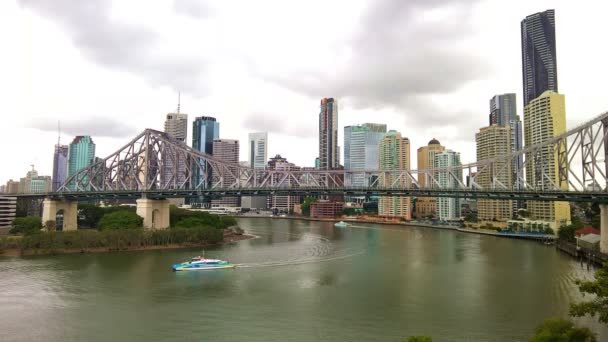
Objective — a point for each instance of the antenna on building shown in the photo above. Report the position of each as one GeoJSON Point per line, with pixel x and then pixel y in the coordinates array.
{"type": "Point", "coordinates": [178, 101]}
{"type": "Point", "coordinates": [58, 132]}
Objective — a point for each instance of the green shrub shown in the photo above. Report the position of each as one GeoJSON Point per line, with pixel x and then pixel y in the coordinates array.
{"type": "Point", "coordinates": [205, 219]}
{"type": "Point", "coordinates": [562, 330]}
{"type": "Point", "coordinates": [26, 225]}
{"type": "Point", "coordinates": [120, 220]}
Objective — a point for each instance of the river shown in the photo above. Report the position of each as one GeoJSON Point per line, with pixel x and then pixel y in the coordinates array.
{"type": "Point", "coordinates": [298, 281]}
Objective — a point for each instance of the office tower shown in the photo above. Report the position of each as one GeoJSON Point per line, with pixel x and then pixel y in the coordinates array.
{"type": "Point", "coordinates": [282, 203]}
{"type": "Point", "coordinates": [258, 150]}
{"type": "Point", "coordinates": [205, 129]}
{"type": "Point", "coordinates": [60, 165]}
{"type": "Point", "coordinates": [227, 151]}
{"type": "Point", "coordinates": [545, 118]}
{"type": "Point", "coordinates": [503, 112]}
{"type": "Point", "coordinates": [493, 142]}
{"type": "Point", "coordinates": [329, 153]}
{"type": "Point", "coordinates": [503, 109]}
{"type": "Point", "coordinates": [33, 183]}
{"type": "Point", "coordinates": [174, 173]}
{"type": "Point", "coordinates": [427, 206]}
{"type": "Point", "coordinates": [539, 60]}
{"type": "Point", "coordinates": [81, 154]}
{"type": "Point", "coordinates": [448, 208]}
{"type": "Point", "coordinates": [361, 150]}
{"type": "Point", "coordinates": [394, 154]}
{"type": "Point", "coordinates": [8, 211]}
{"type": "Point", "coordinates": [12, 187]}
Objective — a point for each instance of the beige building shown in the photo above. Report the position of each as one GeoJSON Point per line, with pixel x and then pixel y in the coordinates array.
{"type": "Point", "coordinates": [545, 118]}
{"type": "Point", "coordinates": [394, 154]}
{"type": "Point", "coordinates": [426, 206]}
{"type": "Point", "coordinates": [494, 141]}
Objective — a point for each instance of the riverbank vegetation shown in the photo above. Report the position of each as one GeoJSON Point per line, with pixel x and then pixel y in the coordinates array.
{"type": "Point", "coordinates": [117, 228]}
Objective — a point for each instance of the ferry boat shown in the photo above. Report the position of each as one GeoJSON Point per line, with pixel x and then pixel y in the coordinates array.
{"type": "Point", "coordinates": [200, 264]}
{"type": "Point", "coordinates": [341, 224]}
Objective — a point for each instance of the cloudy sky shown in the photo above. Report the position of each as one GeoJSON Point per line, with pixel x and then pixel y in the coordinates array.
{"type": "Point", "coordinates": [427, 68]}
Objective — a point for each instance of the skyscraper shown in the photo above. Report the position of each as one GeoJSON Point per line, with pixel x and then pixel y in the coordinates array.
{"type": "Point", "coordinates": [205, 129]}
{"type": "Point", "coordinates": [361, 150]}
{"type": "Point", "coordinates": [60, 165]}
{"type": "Point", "coordinates": [329, 153]}
{"type": "Point", "coordinates": [394, 154]}
{"type": "Point", "coordinates": [173, 173]}
{"type": "Point", "coordinates": [176, 125]}
{"type": "Point", "coordinates": [492, 142]}
{"type": "Point", "coordinates": [448, 208]}
{"type": "Point", "coordinates": [227, 151]}
{"type": "Point", "coordinates": [81, 154]}
{"type": "Point", "coordinates": [427, 206]}
{"type": "Point", "coordinates": [503, 109]}
{"type": "Point", "coordinates": [258, 150]}
{"type": "Point", "coordinates": [539, 60]}
{"type": "Point", "coordinates": [545, 118]}
{"type": "Point", "coordinates": [282, 203]}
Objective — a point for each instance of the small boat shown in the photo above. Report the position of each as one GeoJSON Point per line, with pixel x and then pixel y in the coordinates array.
{"type": "Point", "coordinates": [200, 264]}
{"type": "Point", "coordinates": [341, 224]}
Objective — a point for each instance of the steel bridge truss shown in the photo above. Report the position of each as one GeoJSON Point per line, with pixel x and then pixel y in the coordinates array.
{"type": "Point", "coordinates": [574, 161]}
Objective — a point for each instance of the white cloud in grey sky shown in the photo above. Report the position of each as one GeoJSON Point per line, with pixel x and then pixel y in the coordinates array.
{"type": "Point", "coordinates": [427, 68]}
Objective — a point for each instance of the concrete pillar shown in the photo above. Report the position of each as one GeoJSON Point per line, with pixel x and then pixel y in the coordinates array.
{"type": "Point", "coordinates": [70, 212]}
{"type": "Point", "coordinates": [154, 212]}
{"type": "Point", "coordinates": [604, 228]}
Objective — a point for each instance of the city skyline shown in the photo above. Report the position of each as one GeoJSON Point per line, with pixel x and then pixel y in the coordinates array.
{"type": "Point", "coordinates": [582, 104]}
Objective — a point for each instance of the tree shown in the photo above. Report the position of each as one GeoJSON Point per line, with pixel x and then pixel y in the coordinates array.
{"type": "Point", "coordinates": [598, 305]}
{"type": "Point", "coordinates": [419, 339]}
{"type": "Point", "coordinates": [567, 233]}
{"type": "Point", "coordinates": [306, 205]}
{"type": "Point", "coordinates": [50, 225]}
{"type": "Point", "coordinates": [192, 222]}
{"type": "Point", "coordinates": [470, 218]}
{"type": "Point", "coordinates": [561, 330]}
{"type": "Point", "coordinates": [123, 219]}
{"type": "Point", "coordinates": [26, 225]}
{"type": "Point", "coordinates": [524, 213]}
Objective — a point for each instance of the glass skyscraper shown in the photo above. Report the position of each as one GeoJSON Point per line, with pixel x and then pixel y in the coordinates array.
{"type": "Point", "coordinates": [60, 165]}
{"type": "Point", "coordinates": [258, 150]}
{"type": "Point", "coordinates": [539, 60]}
{"type": "Point", "coordinates": [205, 129]}
{"type": "Point", "coordinates": [81, 154]}
{"type": "Point", "coordinates": [361, 150]}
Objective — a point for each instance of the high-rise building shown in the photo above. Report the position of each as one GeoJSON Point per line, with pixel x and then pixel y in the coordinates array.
{"type": "Point", "coordinates": [174, 173]}
{"type": "Point", "coordinates": [12, 187]}
{"type": "Point", "coordinates": [448, 208]}
{"type": "Point", "coordinates": [176, 125]}
{"type": "Point", "coordinates": [81, 154]}
{"type": "Point", "coordinates": [427, 206]}
{"type": "Point", "coordinates": [545, 118]}
{"type": "Point", "coordinates": [60, 165]}
{"type": "Point", "coordinates": [394, 154]}
{"type": "Point", "coordinates": [503, 109]}
{"type": "Point", "coordinates": [282, 203]}
{"type": "Point", "coordinates": [33, 183]}
{"type": "Point", "coordinates": [539, 60]}
{"type": "Point", "coordinates": [258, 150]}
{"type": "Point", "coordinates": [227, 151]}
{"type": "Point", "coordinates": [205, 129]}
{"type": "Point", "coordinates": [361, 150]}
{"type": "Point", "coordinates": [492, 142]}
{"type": "Point", "coordinates": [329, 153]}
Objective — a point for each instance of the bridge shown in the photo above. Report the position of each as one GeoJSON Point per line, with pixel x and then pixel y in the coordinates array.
{"type": "Point", "coordinates": [153, 167]}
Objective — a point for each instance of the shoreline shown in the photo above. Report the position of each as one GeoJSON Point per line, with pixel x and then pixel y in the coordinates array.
{"type": "Point", "coordinates": [408, 224]}
{"type": "Point", "coordinates": [13, 252]}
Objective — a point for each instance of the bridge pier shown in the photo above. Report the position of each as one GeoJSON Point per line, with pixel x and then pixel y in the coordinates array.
{"type": "Point", "coordinates": [604, 228]}
{"type": "Point", "coordinates": [154, 212]}
{"type": "Point", "coordinates": [70, 212]}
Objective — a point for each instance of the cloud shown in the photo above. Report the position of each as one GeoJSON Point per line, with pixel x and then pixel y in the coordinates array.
{"type": "Point", "coordinates": [406, 55]}
{"type": "Point", "coordinates": [122, 45]}
{"type": "Point", "coordinates": [192, 8]}
{"type": "Point", "coordinates": [94, 126]}
{"type": "Point", "coordinates": [272, 123]}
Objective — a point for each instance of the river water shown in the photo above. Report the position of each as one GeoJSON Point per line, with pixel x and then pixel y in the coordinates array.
{"type": "Point", "coordinates": [298, 281]}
